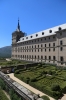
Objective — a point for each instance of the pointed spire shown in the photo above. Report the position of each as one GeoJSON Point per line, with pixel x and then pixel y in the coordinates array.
{"type": "Point", "coordinates": [18, 25]}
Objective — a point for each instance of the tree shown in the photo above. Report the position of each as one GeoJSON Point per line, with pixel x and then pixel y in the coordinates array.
{"type": "Point", "coordinates": [11, 92]}
{"type": "Point", "coordinates": [19, 99]}
{"type": "Point", "coordinates": [2, 84]}
{"type": "Point", "coordinates": [15, 97]}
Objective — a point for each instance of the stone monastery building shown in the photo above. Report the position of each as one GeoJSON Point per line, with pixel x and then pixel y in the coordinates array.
{"type": "Point", "coordinates": [47, 46]}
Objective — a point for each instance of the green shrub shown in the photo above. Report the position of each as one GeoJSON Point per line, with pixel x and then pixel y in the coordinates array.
{"type": "Point", "coordinates": [44, 76]}
{"type": "Point", "coordinates": [55, 87]}
{"type": "Point", "coordinates": [50, 72]}
{"type": "Point", "coordinates": [57, 94]}
{"type": "Point", "coordinates": [17, 72]}
{"type": "Point", "coordinates": [2, 84]}
{"type": "Point", "coordinates": [13, 95]}
{"type": "Point", "coordinates": [33, 80]}
{"type": "Point", "coordinates": [43, 72]}
{"type": "Point", "coordinates": [45, 97]}
{"type": "Point", "coordinates": [22, 77]}
{"type": "Point", "coordinates": [27, 80]}
{"type": "Point", "coordinates": [39, 65]}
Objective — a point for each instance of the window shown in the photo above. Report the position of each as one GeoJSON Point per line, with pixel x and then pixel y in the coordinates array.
{"type": "Point", "coordinates": [26, 37]}
{"type": "Point", "coordinates": [50, 31]}
{"type": "Point", "coordinates": [23, 39]}
{"type": "Point", "coordinates": [36, 35]}
{"type": "Point", "coordinates": [49, 57]}
{"type": "Point", "coordinates": [53, 44]}
{"type": "Point", "coordinates": [45, 45]}
{"type": "Point", "coordinates": [38, 46]}
{"type": "Point", "coordinates": [53, 37]}
{"type": "Point", "coordinates": [41, 57]}
{"type": "Point", "coordinates": [61, 59]}
{"type": "Point", "coordinates": [59, 28]}
{"type": "Point", "coordinates": [53, 49]}
{"type": "Point", "coordinates": [49, 38]}
{"type": "Point", "coordinates": [38, 57]}
{"type": "Point", "coordinates": [42, 33]}
{"type": "Point", "coordinates": [53, 57]}
{"type": "Point", "coordinates": [35, 57]}
{"type": "Point", "coordinates": [35, 50]}
{"type": "Point", "coordinates": [45, 57]}
{"type": "Point", "coordinates": [41, 45]}
{"type": "Point", "coordinates": [45, 50]}
{"type": "Point", "coordinates": [49, 44]}
{"type": "Point", "coordinates": [38, 50]}
{"type": "Point", "coordinates": [31, 36]}
{"type": "Point", "coordinates": [61, 48]}
{"type": "Point", "coordinates": [61, 42]}
{"type": "Point", "coordinates": [38, 39]}
{"type": "Point", "coordinates": [32, 46]}
{"type": "Point", "coordinates": [27, 47]}
{"type": "Point", "coordinates": [45, 38]}
{"type": "Point", "coordinates": [35, 46]}
{"type": "Point", "coordinates": [41, 39]}
{"type": "Point", "coordinates": [32, 41]}
{"type": "Point", "coordinates": [49, 49]}
{"type": "Point", "coordinates": [35, 40]}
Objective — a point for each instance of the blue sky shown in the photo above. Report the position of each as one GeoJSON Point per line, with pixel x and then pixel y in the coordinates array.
{"type": "Point", "coordinates": [34, 15]}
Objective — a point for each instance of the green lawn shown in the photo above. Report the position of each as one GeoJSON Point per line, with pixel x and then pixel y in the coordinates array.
{"type": "Point", "coordinates": [10, 63]}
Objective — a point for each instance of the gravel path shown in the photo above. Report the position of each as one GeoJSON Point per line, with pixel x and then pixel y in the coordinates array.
{"type": "Point", "coordinates": [63, 98]}
{"type": "Point", "coordinates": [28, 86]}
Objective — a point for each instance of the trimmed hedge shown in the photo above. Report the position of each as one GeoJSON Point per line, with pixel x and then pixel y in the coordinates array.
{"type": "Point", "coordinates": [45, 97]}
{"type": "Point", "coordinates": [33, 79]}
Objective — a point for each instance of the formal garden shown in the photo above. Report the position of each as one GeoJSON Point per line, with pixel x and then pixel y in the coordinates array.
{"type": "Point", "coordinates": [47, 78]}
